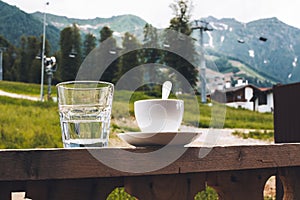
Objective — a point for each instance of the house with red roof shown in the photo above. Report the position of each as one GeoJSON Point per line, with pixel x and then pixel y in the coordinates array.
{"type": "Point", "coordinates": [247, 96]}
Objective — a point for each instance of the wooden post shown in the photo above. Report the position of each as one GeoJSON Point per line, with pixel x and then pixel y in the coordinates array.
{"type": "Point", "coordinates": [5, 190]}
{"type": "Point", "coordinates": [236, 185]}
{"type": "Point", "coordinates": [290, 178]}
{"type": "Point", "coordinates": [286, 119]}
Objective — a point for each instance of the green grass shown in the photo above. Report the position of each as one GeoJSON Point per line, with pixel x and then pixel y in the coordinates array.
{"type": "Point", "coordinates": [257, 134]}
{"type": "Point", "coordinates": [27, 124]}
{"type": "Point", "coordinates": [242, 118]}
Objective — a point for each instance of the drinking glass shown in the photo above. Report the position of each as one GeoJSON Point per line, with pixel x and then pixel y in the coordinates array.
{"type": "Point", "coordinates": [85, 112]}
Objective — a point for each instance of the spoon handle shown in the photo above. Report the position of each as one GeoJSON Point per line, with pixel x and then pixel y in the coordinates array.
{"type": "Point", "coordinates": [166, 89]}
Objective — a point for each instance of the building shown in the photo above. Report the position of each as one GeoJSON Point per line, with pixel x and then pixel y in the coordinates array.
{"type": "Point", "coordinates": [248, 96]}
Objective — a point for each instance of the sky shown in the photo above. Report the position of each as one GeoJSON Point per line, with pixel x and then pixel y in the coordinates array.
{"type": "Point", "coordinates": [159, 13]}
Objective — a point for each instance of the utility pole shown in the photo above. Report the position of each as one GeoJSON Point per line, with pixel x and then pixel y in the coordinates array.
{"type": "Point", "coordinates": [2, 49]}
{"type": "Point", "coordinates": [43, 56]}
{"type": "Point", "coordinates": [202, 26]}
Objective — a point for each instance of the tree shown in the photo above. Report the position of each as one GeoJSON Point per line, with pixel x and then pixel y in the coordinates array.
{"type": "Point", "coordinates": [29, 65]}
{"type": "Point", "coordinates": [182, 17]}
{"type": "Point", "coordinates": [105, 33]}
{"type": "Point", "coordinates": [89, 44]}
{"type": "Point", "coordinates": [22, 64]}
{"type": "Point", "coordinates": [129, 60]}
{"type": "Point", "coordinates": [150, 54]}
{"type": "Point", "coordinates": [71, 58]}
{"type": "Point", "coordinates": [110, 52]}
{"type": "Point", "coordinates": [76, 46]}
{"type": "Point", "coordinates": [176, 37]}
{"type": "Point", "coordinates": [66, 69]}
{"type": "Point", "coordinates": [33, 65]}
{"type": "Point", "coordinates": [22, 67]}
{"type": "Point", "coordinates": [9, 60]}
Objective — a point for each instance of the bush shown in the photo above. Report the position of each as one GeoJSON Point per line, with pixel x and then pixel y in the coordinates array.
{"type": "Point", "coordinates": [208, 194]}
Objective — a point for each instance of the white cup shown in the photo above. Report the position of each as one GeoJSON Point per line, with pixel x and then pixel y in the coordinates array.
{"type": "Point", "coordinates": [158, 115]}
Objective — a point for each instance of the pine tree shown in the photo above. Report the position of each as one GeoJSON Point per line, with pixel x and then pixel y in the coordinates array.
{"type": "Point", "coordinates": [76, 45]}
{"type": "Point", "coordinates": [66, 69]}
{"type": "Point", "coordinates": [105, 33]}
{"type": "Point", "coordinates": [151, 54]}
{"type": "Point", "coordinates": [33, 65]}
{"type": "Point", "coordinates": [9, 60]}
{"type": "Point", "coordinates": [71, 57]}
{"type": "Point", "coordinates": [129, 60]}
{"type": "Point", "coordinates": [22, 68]}
{"type": "Point", "coordinates": [176, 37]}
{"type": "Point", "coordinates": [109, 54]}
{"type": "Point", "coordinates": [89, 44]}
{"type": "Point", "coordinates": [29, 65]}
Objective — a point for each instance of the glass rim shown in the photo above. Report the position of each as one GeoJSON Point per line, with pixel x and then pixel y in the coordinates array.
{"type": "Point", "coordinates": [65, 84]}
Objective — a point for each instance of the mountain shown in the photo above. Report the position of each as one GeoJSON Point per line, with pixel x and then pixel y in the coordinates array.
{"type": "Point", "coordinates": [267, 46]}
{"type": "Point", "coordinates": [267, 49]}
{"type": "Point", "coordinates": [15, 23]}
{"type": "Point", "coordinates": [120, 24]}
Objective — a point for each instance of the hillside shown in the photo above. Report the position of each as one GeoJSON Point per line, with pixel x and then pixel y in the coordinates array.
{"type": "Point", "coordinates": [120, 24]}
{"type": "Point", "coordinates": [15, 23]}
{"type": "Point", "coordinates": [267, 46]}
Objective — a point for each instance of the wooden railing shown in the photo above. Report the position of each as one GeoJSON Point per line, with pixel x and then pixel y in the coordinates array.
{"type": "Point", "coordinates": [235, 172]}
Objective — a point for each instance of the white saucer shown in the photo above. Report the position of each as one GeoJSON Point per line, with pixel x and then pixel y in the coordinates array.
{"type": "Point", "coordinates": [158, 139]}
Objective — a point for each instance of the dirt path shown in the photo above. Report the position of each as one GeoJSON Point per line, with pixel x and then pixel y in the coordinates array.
{"type": "Point", "coordinates": [222, 137]}
{"type": "Point", "coordinates": [18, 96]}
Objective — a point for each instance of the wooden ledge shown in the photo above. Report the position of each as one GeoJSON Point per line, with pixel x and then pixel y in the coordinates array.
{"type": "Point", "coordinates": [45, 164]}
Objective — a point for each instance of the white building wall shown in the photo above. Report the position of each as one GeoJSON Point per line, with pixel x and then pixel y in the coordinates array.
{"type": "Point", "coordinates": [248, 93]}
{"type": "Point", "coordinates": [245, 105]}
{"type": "Point", "coordinates": [270, 101]}
{"type": "Point", "coordinates": [270, 104]}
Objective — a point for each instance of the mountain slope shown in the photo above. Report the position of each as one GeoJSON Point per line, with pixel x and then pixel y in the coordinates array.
{"type": "Point", "coordinates": [15, 23]}
{"type": "Point", "coordinates": [268, 46]}
{"type": "Point", "coordinates": [119, 24]}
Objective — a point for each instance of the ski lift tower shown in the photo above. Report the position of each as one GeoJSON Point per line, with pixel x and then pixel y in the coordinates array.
{"type": "Point", "coordinates": [202, 26]}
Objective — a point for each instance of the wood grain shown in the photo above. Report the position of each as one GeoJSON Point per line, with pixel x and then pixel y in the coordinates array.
{"type": "Point", "coordinates": [236, 172]}
{"type": "Point", "coordinates": [44, 164]}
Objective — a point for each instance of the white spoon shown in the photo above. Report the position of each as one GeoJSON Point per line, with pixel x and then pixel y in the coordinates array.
{"type": "Point", "coordinates": [166, 89]}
